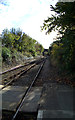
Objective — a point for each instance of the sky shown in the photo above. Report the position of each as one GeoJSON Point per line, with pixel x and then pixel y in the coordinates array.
{"type": "Point", "coordinates": [28, 15]}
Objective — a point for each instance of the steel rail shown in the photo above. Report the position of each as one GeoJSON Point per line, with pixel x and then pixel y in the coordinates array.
{"type": "Point", "coordinates": [16, 73]}
{"type": "Point", "coordinates": [20, 73]}
{"type": "Point", "coordinates": [17, 67]}
{"type": "Point", "coordinates": [27, 91]}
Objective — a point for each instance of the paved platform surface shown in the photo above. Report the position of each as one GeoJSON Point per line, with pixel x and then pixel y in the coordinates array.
{"type": "Point", "coordinates": [31, 101]}
{"type": "Point", "coordinates": [57, 101]}
{"type": "Point", "coordinates": [11, 97]}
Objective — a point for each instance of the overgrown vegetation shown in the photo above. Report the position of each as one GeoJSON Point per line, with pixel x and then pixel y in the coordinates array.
{"type": "Point", "coordinates": [16, 45]}
{"type": "Point", "coordinates": [62, 50]}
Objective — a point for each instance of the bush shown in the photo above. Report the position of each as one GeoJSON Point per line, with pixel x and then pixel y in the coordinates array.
{"type": "Point", "coordinates": [17, 55]}
{"type": "Point", "coordinates": [28, 54]}
{"type": "Point", "coordinates": [6, 53]}
{"type": "Point", "coordinates": [57, 52]}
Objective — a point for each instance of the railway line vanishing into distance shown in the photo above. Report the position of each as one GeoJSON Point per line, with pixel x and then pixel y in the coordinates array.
{"type": "Point", "coordinates": [31, 92]}
{"type": "Point", "coordinates": [24, 76]}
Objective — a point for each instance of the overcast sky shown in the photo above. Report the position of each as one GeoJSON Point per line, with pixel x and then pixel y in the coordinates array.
{"type": "Point", "coordinates": [27, 15]}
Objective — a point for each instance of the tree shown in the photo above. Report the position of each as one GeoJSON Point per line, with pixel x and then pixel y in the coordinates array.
{"type": "Point", "coordinates": [8, 38]}
{"type": "Point", "coordinates": [63, 19]}
{"type": "Point", "coordinates": [64, 22]}
{"type": "Point", "coordinates": [16, 39]}
{"type": "Point", "coordinates": [39, 48]}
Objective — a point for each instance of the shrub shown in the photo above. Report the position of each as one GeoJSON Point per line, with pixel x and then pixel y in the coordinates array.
{"type": "Point", "coordinates": [19, 57]}
{"type": "Point", "coordinates": [57, 54]}
{"type": "Point", "coordinates": [6, 53]}
{"type": "Point", "coordinates": [28, 54]}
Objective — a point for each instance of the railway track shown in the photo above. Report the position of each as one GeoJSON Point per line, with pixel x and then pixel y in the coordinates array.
{"type": "Point", "coordinates": [37, 67]}
{"type": "Point", "coordinates": [11, 75]}
{"type": "Point", "coordinates": [33, 96]}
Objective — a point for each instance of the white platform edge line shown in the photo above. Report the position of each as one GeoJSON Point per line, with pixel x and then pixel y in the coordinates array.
{"type": "Point", "coordinates": [40, 114]}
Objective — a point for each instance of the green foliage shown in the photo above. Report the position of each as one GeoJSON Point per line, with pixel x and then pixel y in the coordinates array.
{"type": "Point", "coordinates": [6, 53]}
{"type": "Point", "coordinates": [39, 48]}
{"type": "Point", "coordinates": [69, 48]}
{"type": "Point", "coordinates": [28, 54]}
{"type": "Point", "coordinates": [62, 50]}
{"type": "Point", "coordinates": [15, 40]}
{"type": "Point", "coordinates": [8, 40]}
{"type": "Point", "coordinates": [63, 19]}
{"type": "Point", "coordinates": [57, 51]}
{"type": "Point", "coordinates": [17, 55]}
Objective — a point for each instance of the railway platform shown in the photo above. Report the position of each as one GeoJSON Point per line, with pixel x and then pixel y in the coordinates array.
{"type": "Point", "coordinates": [57, 101]}
{"type": "Point", "coordinates": [11, 97]}
{"type": "Point", "coordinates": [46, 97]}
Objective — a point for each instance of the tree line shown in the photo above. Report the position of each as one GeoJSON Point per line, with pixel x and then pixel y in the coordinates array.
{"type": "Point", "coordinates": [16, 40]}
{"type": "Point", "coordinates": [62, 50]}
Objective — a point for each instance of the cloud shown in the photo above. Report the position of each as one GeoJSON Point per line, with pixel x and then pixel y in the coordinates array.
{"type": "Point", "coordinates": [28, 15]}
